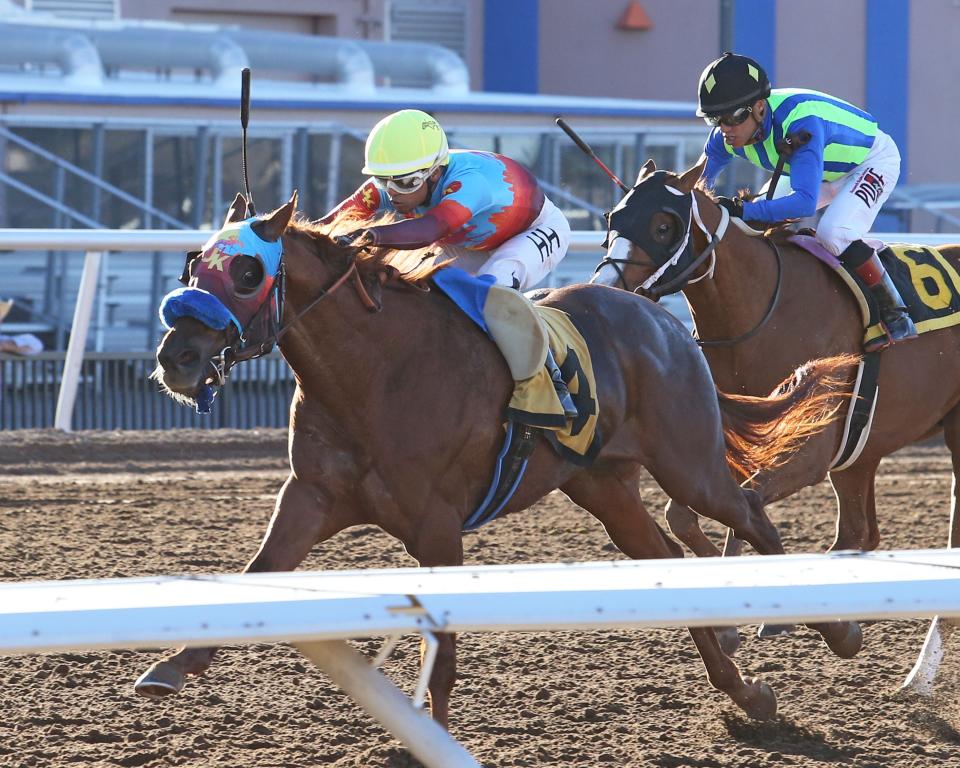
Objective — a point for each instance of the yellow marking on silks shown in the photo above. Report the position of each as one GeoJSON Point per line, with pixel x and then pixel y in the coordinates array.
{"type": "Point", "coordinates": [215, 259]}
{"type": "Point", "coordinates": [367, 196]}
{"type": "Point", "coordinates": [709, 83]}
{"type": "Point", "coordinates": [753, 72]}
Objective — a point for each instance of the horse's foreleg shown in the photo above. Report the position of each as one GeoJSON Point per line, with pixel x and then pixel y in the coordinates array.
{"type": "Point", "coordinates": [299, 521]}
{"type": "Point", "coordinates": [856, 510]}
{"type": "Point", "coordinates": [439, 542]}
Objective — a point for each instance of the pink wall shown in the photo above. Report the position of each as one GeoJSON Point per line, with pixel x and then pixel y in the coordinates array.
{"type": "Point", "coordinates": [583, 53]}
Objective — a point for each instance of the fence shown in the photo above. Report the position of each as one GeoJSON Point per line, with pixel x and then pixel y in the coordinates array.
{"type": "Point", "coordinates": [114, 391]}
{"type": "Point", "coordinates": [317, 612]}
{"type": "Point", "coordinates": [96, 242]}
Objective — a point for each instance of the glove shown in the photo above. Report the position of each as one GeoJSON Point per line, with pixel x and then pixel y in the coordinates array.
{"type": "Point", "coordinates": [734, 205]}
{"type": "Point", "coordinates": [356, 239]}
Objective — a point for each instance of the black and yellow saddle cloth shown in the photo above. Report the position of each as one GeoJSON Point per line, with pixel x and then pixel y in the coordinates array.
{"type": "Point", "coordinates": [930, 288]}
{"type": "Point", "coordinates": [535, 402]}
{"type": "Point", "coordinates": [534, 408]}
{"type": "Point", "coordinates": [928, 283]}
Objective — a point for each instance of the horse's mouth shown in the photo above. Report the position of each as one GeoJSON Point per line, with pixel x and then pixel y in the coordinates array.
{"type": "Point", "coordinates": [185, 388]}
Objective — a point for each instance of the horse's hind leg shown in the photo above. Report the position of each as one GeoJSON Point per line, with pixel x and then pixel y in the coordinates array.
{"type": "Point", "coordinates": [684, 523]}
{"type": "Point", "coordinates": [922, 678]}
{"type": "Point", "coordinates": [297, 524]}
{"type": "Point", "coordinates": [612, 495]}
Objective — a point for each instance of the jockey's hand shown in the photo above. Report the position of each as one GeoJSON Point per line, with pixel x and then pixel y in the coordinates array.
{"type": "Point", "coordinates": [356, 239]}
{"type": "Point", "coordinates": [734, 205]}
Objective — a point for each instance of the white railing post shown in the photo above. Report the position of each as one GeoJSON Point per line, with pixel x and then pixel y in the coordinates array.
{"type": "Point", "coordinates": [78, 341]}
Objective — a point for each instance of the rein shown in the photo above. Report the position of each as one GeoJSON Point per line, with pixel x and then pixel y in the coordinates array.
{"type": "Point", "coordinates": [774, 300]}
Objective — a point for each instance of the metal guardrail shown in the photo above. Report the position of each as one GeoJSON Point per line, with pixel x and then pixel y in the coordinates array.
{"type": "Point", "coordinates": [95, 242]}
{"type": "Point", "coordinates": [114, 391]}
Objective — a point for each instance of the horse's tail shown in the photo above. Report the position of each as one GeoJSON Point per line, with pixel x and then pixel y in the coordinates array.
{"type": "Point", "coordinates": [762, 433]}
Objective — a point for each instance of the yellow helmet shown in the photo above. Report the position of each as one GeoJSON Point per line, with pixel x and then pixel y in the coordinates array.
{"type": "Point", "coordinates": [405, 142]}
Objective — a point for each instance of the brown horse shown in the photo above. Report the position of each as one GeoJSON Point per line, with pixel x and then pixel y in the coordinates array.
{"type": "Point", "coordinates": [397, 420]}
{"type": "Point", "coordinates": [762, 306]}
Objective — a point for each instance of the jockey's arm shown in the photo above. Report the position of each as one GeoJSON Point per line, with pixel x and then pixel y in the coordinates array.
{"type": "Point", "coordinates": [715, 158]}
{"type": "Point", "coordinates": [362, 204]}
{"type": "Point", "coordinates": [439, 222]}
{"type": "Point", "coordinates": [806, 172]}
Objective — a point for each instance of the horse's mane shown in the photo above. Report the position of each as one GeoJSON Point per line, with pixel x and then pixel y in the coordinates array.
{"type": "Point", "coordinates": [412, 266]}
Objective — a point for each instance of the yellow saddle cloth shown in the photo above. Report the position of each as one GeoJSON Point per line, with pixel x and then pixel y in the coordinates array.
{"type": "Point", "coordinates": [535, 401]}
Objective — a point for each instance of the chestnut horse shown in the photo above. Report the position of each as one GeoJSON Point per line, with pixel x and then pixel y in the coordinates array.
{"type": "Point", "coordinates": [398, 416]}
{"type": "Point", "coordinates": [762, 306]}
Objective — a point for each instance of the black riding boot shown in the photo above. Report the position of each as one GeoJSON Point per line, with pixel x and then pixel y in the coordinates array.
{"type": "Point", "coordinates": [566, 400]}
{"type": "Point", "coordinates": [893, 313]}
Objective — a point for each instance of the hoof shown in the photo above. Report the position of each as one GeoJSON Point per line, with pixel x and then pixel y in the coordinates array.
{"type": "Point", "coordinates": [729, 639]}
{"type": "Point", "coordinates": [767, 631]}
{"type": "Point", "coordinates": [161, 680]}
{"type": "Point", "coordinates": [760, 702]}
{"type": "Point", "coordinates": [847, 644]}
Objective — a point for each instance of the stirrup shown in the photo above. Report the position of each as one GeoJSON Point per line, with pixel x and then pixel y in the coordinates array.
{"type": "Point", "coordinates": [563, 393]}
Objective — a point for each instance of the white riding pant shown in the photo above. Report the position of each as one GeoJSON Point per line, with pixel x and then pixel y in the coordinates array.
{"type": "Point", "coordinates": [526, 258]}
{"type": "Point", "coordinates": [855, 199]}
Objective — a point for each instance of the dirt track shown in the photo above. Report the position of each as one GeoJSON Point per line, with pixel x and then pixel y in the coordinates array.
{"type": "Point", "coordinates": [125, 504]}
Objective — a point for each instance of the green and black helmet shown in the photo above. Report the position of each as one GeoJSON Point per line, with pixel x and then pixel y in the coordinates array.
{"type": "Point", "coordinates": [730, 82]}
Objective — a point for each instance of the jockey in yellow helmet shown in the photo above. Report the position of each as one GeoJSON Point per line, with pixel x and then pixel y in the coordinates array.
{"type": "Point", "coordinates": [486, 209]}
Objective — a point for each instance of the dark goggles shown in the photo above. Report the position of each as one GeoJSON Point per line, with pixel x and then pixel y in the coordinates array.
{"type": "Point", "coordinates": [730, 120]}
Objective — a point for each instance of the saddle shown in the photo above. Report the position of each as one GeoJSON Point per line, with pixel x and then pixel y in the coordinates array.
{"type": "Point", "coordinates": [930, 288]}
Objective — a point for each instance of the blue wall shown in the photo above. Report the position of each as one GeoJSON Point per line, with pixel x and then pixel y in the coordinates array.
{"type": "Point", "coordinates": [888, 51]}
{"type": "Point", "coordinates": [511, 46]}
{"type": "Point", "coordinates": [755, 33]}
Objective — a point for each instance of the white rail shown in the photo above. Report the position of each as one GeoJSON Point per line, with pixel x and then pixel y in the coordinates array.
{"type": "Point", "coordinates": [97, 241]}
{"type": "Point", "coordinates": [318, 611]}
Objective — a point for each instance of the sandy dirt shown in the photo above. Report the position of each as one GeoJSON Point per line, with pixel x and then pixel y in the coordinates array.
{"type": "Point", "coordinates": [125, 504]}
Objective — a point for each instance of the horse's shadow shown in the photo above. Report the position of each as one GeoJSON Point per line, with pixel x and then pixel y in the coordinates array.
{"type": "Point", "coordinates": [783, 735]}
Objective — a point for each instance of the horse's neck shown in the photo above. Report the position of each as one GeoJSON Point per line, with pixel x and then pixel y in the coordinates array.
{"type": "Point", "coordinates": [343, 353]}
{"type": "Point", "coordinates": [734, 299]}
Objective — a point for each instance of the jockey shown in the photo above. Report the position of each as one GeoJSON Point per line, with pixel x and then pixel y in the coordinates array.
{"type": "Point", "coordinates": [847, 163]}
{"type": "Point", "coordinates": [486, 209]}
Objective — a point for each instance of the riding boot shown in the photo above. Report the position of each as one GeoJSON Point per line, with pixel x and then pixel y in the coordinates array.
{"type": "Point", "coordinates": [566, 399]}
{"type": "Point", "coordinates": [893, 313]}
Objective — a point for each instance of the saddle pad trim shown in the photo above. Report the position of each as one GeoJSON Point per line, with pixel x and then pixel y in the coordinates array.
{"type": "Point", "coordinates": [863, 405]}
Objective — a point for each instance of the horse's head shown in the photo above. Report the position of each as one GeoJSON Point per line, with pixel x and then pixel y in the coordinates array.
{"type": "Point", "coordinates": [650, 234]}
{"type": "Point", "coordinates": [230, 307]}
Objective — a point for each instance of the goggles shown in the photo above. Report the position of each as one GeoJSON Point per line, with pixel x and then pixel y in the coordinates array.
{"type": "Point", "coordinates": [730, 120]}
{"type": "Point", "coordinates": [409, 182]}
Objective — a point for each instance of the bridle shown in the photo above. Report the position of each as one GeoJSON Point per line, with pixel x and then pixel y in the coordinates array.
{"type": "Point", "coordinates": [223, 362]}
{"type": "Point", "coordinates": [650, 289]}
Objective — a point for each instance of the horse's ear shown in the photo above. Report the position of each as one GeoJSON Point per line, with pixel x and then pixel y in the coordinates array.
{"type": "Point", "coordinates": [238, 210]}
{"type": "Point", "coordinates": [272, 227]}
{"type": "Point", "coordinates": [648, 168]}
{"type": "Point", "coordinates": [692, 176]}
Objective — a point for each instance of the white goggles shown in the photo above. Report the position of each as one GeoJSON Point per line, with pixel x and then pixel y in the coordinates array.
{"type": "Point", "coordinates": [403, 185]}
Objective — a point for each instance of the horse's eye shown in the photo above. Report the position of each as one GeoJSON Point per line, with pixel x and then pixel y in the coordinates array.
{"type": "Point", "coordinates": [663, 229]}
{"type": "Point", "coordinates": [247, 275]}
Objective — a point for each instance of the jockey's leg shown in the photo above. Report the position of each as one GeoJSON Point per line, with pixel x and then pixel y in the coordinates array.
{"type": "Point", "coordinates": [859, 197]}
{"type": "Point", "coordinates": [893, 313]}
{"type": "Point", "coordinates": [520, 263]}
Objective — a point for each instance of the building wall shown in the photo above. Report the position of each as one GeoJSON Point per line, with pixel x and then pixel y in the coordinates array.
{"type": "Point", "coordinates": [933, 108]}
{"type": "Point", "coordinates": [584, 53]}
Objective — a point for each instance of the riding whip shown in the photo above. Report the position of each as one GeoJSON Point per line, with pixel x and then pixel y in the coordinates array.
{"type": "Point", "coordinates": [590, 153]}
{"type": "Point", "coordinates": [244, 118]}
